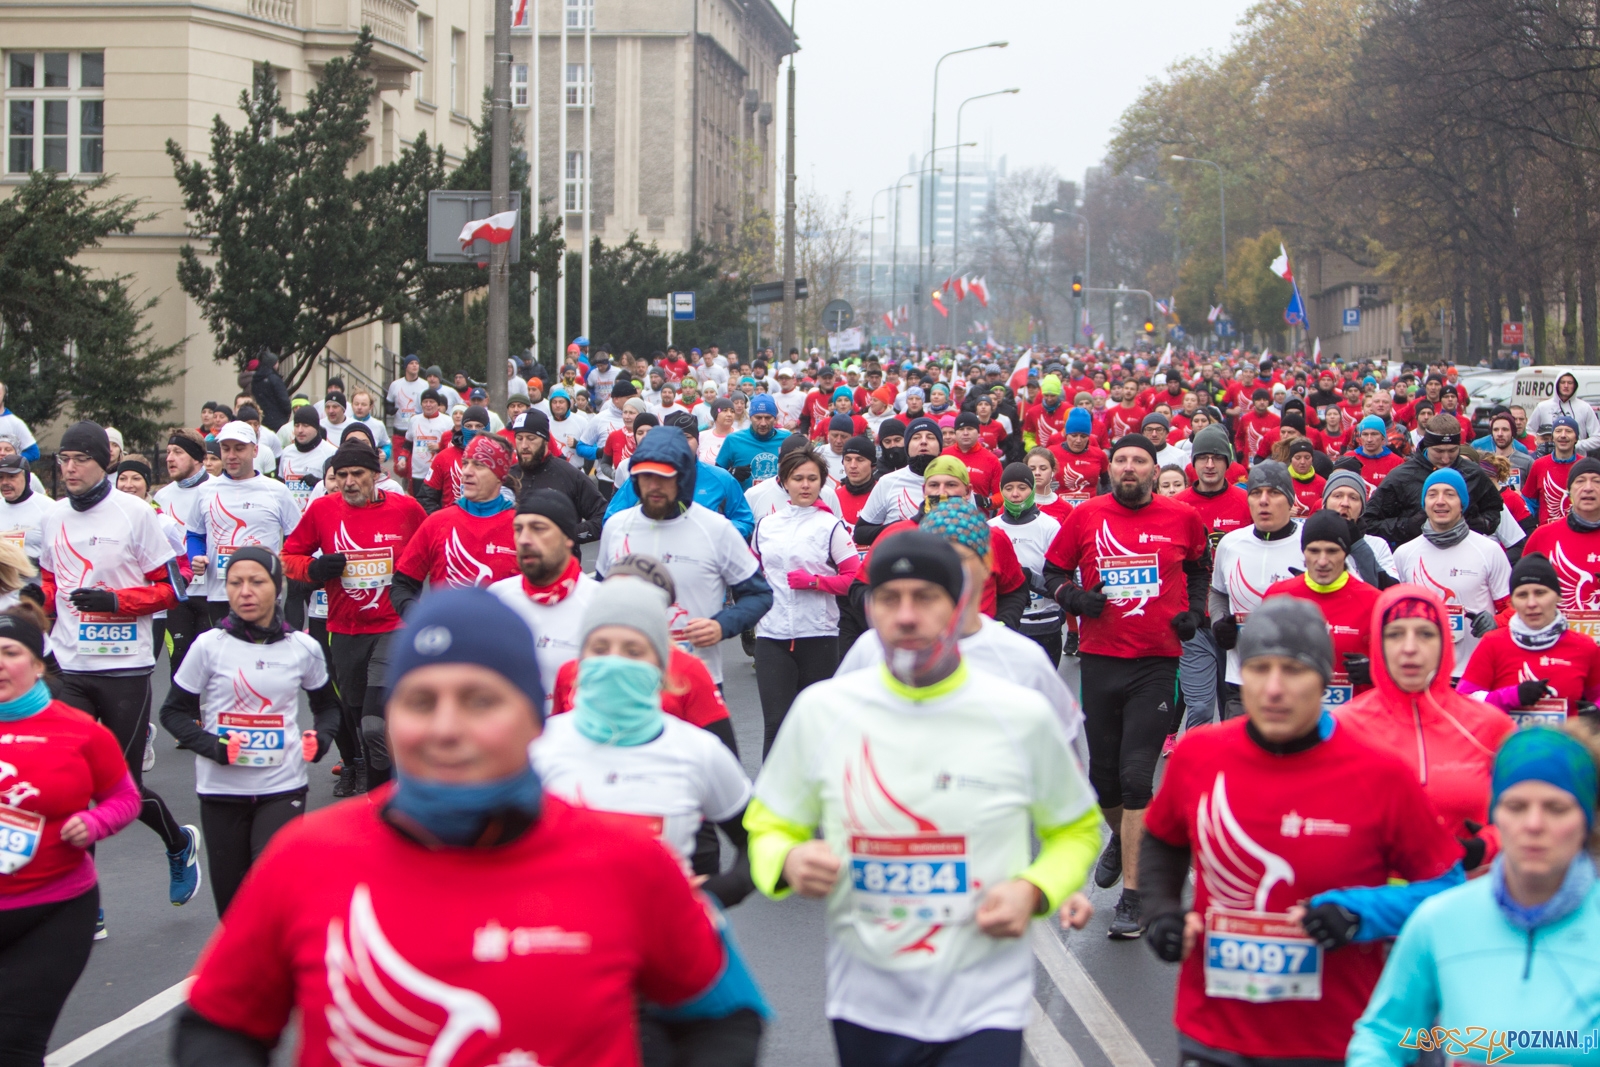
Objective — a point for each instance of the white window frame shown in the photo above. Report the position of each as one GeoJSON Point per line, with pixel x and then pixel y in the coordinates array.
{"type": "Point", "coordinates": [576, 11]}
{"type": "Point", "coordinates": [572, 183]}
{"type": "Point", "coordinates": [456, 39]}
{"type": "Point", "coordinates": [576, 89]}
{"type": "Point", "coordinates": [519, 85]}
{"type": "Point", "coordinates": [425, 50]}
{"type": "Point", "coordinates": [74, 95]}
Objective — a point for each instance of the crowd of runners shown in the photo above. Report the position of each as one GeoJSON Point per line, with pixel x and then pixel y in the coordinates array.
{"type": "Point", "coordinates": [1334, 737]}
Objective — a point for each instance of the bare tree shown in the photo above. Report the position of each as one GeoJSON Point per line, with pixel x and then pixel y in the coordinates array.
{"type": "Point", "coordinates": [1015, 253]}
{"type": "Point", "coordinates": [827, 238]}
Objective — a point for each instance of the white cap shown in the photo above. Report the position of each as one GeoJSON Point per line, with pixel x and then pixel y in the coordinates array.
{"type": "Point", "coordinates": [114, 435]}
{"type": "Point", "coordinates": [238, 431]}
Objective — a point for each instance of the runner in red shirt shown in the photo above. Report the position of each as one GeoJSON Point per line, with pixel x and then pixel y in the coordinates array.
{"type": "Point", "coordinates": [359, 531]}
{"type": "Point", "coordinates": [406, 922]}
{"type": "Point", "coordinates": [1125, 417]}
{"type": "Point", "coordinates": [1307, 482]}
{"type": "Point", "coordinates": [1222, 505]}
{"type": "Point", "coordinates": [982, 467]}
{"type": "Point", "coordinates": [1377, 459]}
{"type": "Point", "coordinates": [1136, 566]}
{"type": "Point", "coordinates": [1251, 427]}
{"type": "Point", "coordinates": [1080, 465]}
{"type": "Point", "coordinates": [1546, 483]}
{"type": "Point", "coordinates": [1276, 811]}
{"type": "Point", "coordinates": [471, 542]}
{"type": "Point", "coordinates": [1573, 548]}
{"type": "Point", "coordinates": [1535, 669]}
{"type": "Point", "coordinates": [444, 471]}
{"type": "Point", "coordinates": [1345, 601]}
{"type": "Point", "coordinates": [990, 431]}
{"type": "Point", "coordinates": [1042, 423]}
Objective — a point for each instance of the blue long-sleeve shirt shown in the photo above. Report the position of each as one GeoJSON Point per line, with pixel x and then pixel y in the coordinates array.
{"type": "Point", "coordinates": [714, 489]}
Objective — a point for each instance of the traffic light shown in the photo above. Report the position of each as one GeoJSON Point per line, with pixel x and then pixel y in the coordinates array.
{"type": "Point", "coordinates": [1077, 285]}
{"type": "Point", "coordinates": [1149, 328]}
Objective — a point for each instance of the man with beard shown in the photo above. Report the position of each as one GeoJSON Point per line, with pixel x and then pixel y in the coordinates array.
{"type": "Point", "coordinates": [1145, 566]}
{"type": "Point", "coordinates": [898, 494]}
{"type": "Point", "coordinates": [714, 488]}
{"type": "Point", "coordinates": [540, 469]}
{"type": "Point", "coordinates": [551, 592]}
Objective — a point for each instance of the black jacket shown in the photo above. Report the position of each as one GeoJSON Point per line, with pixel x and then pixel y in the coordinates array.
{"type": "Point", "coordinates": [1395, 511]}
{"type": "Point", "coordinates": [563, 477]}
{"type": "Point", "coordinates": [271, 393]}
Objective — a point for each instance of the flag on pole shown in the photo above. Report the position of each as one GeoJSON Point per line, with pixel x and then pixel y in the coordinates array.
{"type": "Point", "coordinates": [1280, 266]}
{"type": "Point", "coordinates": [938, 304]}
{"type": "Point", "coordinates": [1316, 349]}
{"type": "Point", "coordinates": [980, 289]}
{"type": "Point", "coordinates": [519, 14]}
{"type": "Point", "coordinates": [959, 286]}
{"type": "Point", "coordinates": [1163, 307]}
{"type": "Point", "coordinates": [1212, 315]}
{"type": "Point", "coordinates": [1166, 356]}
{"type": "Point", "coordinates": [496, 229]}
{"type": "Point", "coordinates": [888, 320]}
{"type": "Point", "coordinates": [1295, 313]}
{"type": "Point", "coordinates": [1019, 376]}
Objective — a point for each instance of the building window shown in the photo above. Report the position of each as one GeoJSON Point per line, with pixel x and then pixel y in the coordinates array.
{"type": "Point", "coordinates": [55, 112]}
{"type": "Point", "coordinates": [579, 90]}
{"type": "Point", "coordinates": [519, 85]}
{"type": "Point", "coordinates": [573, 185]}
{"type": "Point", "coordinates": [577, 12]}
{"type": "Point", "coordinates": [425, 50]}
{"type": "Point", "coordinates": [457, 91]}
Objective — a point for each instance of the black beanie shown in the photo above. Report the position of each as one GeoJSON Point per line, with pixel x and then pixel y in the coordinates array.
{"type": "Point", "coordinates": [1016, 472]}
{"type": "Point", "coordinates": [861, 445]}
{"type": "Point", "coordinates": [891, 428]}
{"type": "Point", "coordinates": [1295, 420]}
{"type": "Point", "coordinates": [353, 454]}
{"type": "Point", "coordinates": [623, 388]}
{"type": "Point", "coordinates": [476, 413]}
{"type": "Point", "coordinates": [553, 505]}
{"type": "Point", "coordinates": [90, 439]}
{"type": "Point", "coordinates": [306, 415]}
{"type": "Point", "coordinates": [1535, 569]}
{"type": "Point", "coordinates": [915, 554]}
{"type": "Point", "coordinates": [1133, 440]}
{"type": "Point", "coordinates": [1586, 465]}
{"type": "Point", "coordinates": [1326, 525]}
{"type": "Point", "coordinates": [268, 560]}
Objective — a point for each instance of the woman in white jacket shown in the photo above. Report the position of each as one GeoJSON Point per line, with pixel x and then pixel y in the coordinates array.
{"type": "Point", "coordinates": [808, 558]}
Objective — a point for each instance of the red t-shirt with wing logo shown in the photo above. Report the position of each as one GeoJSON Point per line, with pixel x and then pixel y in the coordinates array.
{"type": "Point", "coordinates": [1046, 426]}
{"type": "Point", "coordinates": [455, 547]}
{"type": "Point", "coordinates": [1121, 421]}
{"type": "Point", "coordinates": [982, 469]}
{"type": "Point", "coordinates": [371, 538]}
{"type": "Point", "coordinates": [1547, 483]}
{"type": "Point", "coordinates": [383, 944]}
{"type": "Point", "coordinates": [1251, 432]}
{"type": "Point", "coordinates": [1347, 610]}
{"type": "Point", "coordinates": [1221, 513]}
{"type": "Point", "coordinates": [1576, 558]}
{"type": "Point", "coordinates": [444, 473]}
{"type": "Point", "coordinates": [1374, 469]}
{"type": "Point", "coordinates": [1571, 666]}
{"type": "Point", "coordinates": [1078, 473]}
{"type": "Point", "coordinates": [1268, 832]}
{"type": "Point", "coordinates": [1139, 553]}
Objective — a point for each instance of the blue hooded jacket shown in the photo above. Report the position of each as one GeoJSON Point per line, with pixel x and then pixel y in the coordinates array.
{"type": "Point", "coordinates": [714, 489]}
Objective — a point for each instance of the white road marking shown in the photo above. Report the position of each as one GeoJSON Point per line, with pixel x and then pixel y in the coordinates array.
{"type": "Point", "coordinates": [1091, 1006]}
{"type": "Point", "coordinates": [1045, 1043]}
{"type": "Point", "coordinates": [82, 1048]}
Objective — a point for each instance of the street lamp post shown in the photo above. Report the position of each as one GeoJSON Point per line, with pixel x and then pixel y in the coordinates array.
{"type": "Point", "coordinates": [872, 234]}
{"type": "Point", "coordinates": [955, 202]}
{"type": "Point", "coordinates": [789, 332]}
{"type": "Point", "coordinates": [1177, 232]}
{"type": "Point", "coordinates": [924, 169]}
{"type": "Point", "coordinates": [933, 139]}
{"type": "Point", "coordinates": [1222, 193]}
{"type": "Point", "coordinates": [894, 249]}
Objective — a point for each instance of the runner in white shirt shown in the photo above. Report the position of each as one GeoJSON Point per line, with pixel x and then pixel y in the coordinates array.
{"type": "Point", "coordinates": [1251, 558]}
{"type": "Point", "coordinates": [22, 509]}
{"type": "Point", "coordinates": [235, 704]}
{"type": "Point", "coordinates": [898, 494]}
{"type": "Point", "coordinates": [552, 591]}
{"type": "Point", "coordinates": [241, 508]}
{"type": "Point", "coordinates": [929, 786]}
{"type": "Point", "coordinates": [1031, 532]}
{"type": "Point", "coordinates": [301, 465]}
{"type": "Point", "coordinates": [449, 396]}
{"type": "Point", "coordinates": [769, 496]}
{"type": "Point", "coordinates": [566, 424]}
{"type": "Point", "coordinates": [186, 467]}
{"type": "Point", "coordinates": [335, 416]}
{"type": "Point", "coordinates": [429, 434]}
{"type": "Point", "coordinates": [1469, 571]}
{"type": "Point", "coordinates": [405, 398]}
{"type": "Point", "coordinates": [791, 401]}
{"type": "Point", "coordinates": [361, 411]}
{"type": "Point", "coordinates": [617, 752]}
{"type": "Point", "coordinates": [708, 558]}
{"type": "Point", "coordinates": [715, 429]}
{"type": "Point", "coordinates": [11, 425]}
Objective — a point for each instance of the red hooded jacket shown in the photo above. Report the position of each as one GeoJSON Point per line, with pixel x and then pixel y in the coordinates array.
{"type": "Point", "coordinates": [1449, 740]}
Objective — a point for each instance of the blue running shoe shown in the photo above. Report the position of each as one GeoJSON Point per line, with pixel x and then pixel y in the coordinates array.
{"type": "Point", "coordinates": [185, 866]}
{"type": "Point", "coordinates": [100, 926]}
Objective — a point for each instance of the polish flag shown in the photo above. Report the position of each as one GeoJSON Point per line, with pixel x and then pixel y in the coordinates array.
{"type": "Point", "coordinates": [519, 14]}
{"type": "Point", "coordinates": [1216, 310]}
{"type": "Point", "coordinates": [903, 313]}
{"type": "Point", "coordinates": [1280, 266]}
{"type": "Point", "coordinates": [1019, 376]}
{"type": "Point", "coordinates": [980, 289]}
{"type": "Point", "coordinates": [888, 320]}
{"type": "Point", "coordinates": [938, 304]}
{"type": "Point", "coordinates": [496, 229]}
{"type": "Point", "coordinates": [960, 285]}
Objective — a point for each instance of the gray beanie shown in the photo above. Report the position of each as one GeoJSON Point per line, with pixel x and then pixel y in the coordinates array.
{"type": "Point", "coordinates": [1346, 478]}
{"type": "Point", "coordinates": [1270, 474]}
{"type": "Point", "coordinates": [1286, 626]}
{"type": "Point", "coordinates": [634, 603]}
{"type": "Point", "coordinates": [1212, 441]}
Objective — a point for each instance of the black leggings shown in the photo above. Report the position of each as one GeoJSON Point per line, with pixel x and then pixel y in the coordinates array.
{"type": "Point", "coordinates": [122, 704]}
{"type": "Point", "coordinates": [237, 829]}
{"type": "Point", "coordinates": [783, 668]}
{"type": "Point", "coordinates": [861, 1047]}
{"type": "Point", "coordinates": [1127, 707]}
{"type": "Point", "coordinates": [43, 951]}
{"type": "Point", "coordinates": [360, 662]}
{"type": "Point", "coordinates": [186, 622]}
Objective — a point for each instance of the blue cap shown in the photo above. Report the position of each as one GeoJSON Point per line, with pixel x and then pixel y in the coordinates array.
{"type": "Point", "coordinates": [1371, 422]}
{"type": "Point", "coordinates": [411, 357]}
{"type": "Point", "coordinates": [1447, 476]}
{"type": "Point", "coordinates": [581, 342]}
{"type": "Point", "coordinates": [763, 404]}
{"type": "Point", "coordinates": [1079, 421]}
{"type": "Point", "coordinates": [468, 625]}
{"type": "Point", "coordinates": [557, 392]}
{"type": "Point", "coordinates": [844, 391]}
{"type": "Point", "coordinates": [1568, 421]}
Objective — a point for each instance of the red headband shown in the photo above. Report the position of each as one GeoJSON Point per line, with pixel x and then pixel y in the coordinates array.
{"type": "Point", "coordinates": [491, 454]}
{"type": "Point", "coordinates": [1411, 607]}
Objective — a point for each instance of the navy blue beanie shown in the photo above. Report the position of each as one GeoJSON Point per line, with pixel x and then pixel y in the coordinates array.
{"type": "Point", "coordinates": [468, 625]}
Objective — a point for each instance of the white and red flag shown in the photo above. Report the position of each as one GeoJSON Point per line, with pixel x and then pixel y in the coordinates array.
{"type": "Point", "coordinates": [1280, 266]}
{"type": "Point", "coordinates": [496, 229]}
{"type": "Point", "coordinates": [980, 289]}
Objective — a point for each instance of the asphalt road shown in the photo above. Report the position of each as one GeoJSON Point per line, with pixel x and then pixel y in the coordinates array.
{"type": "Point", "coordinates": [1102, 1003]}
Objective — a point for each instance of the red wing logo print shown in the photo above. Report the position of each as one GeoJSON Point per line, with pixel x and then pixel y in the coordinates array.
{"type": "Point", "coordinates": [1071, 480]}
{"type": "Point", "coordinates": [72, 567]}
{"type": "Point", "coordinates": [367, 599]}
{"type": "Point", "coordinates": [1252, 439]}
{"type": "Point", "coordinates": [1579, 589]}
{"type": "Point", "coordinates": [1238, 872]}
{"type": "Point", "coordinates": [225, 525]}
{"type": "Point", "coordinates": [368, 1024]}
{"type": "Point", "coordinates": [871, 809]}
{"type": "Point", "coordinates": [1106, 544]}
{"type": "Point", "coordinates": [1241, 583]}
{"type": "Point", "coordinates": [1446, 594]}
{"type": "Point", "coordinates": [245, 698]}
{"type": "Point", "coordinates": [460, 566]}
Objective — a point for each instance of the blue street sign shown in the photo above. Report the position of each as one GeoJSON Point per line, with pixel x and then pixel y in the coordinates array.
{"type": "Point", "coordinates": [683, 307]}
{"type": "Point", "coordinates": [1352, 318]}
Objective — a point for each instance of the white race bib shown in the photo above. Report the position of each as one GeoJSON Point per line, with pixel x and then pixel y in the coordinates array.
{"type": "Point", "coordinates": [107, 635]}
{"type": "Point", "coordinates": [319, 604]}
{"type": "Point", "coordinates": [1337, 693]}
{"type": "Point", "coordinates": [1550, 711]}
{"type": "Point", "coordinates": [368, 568]}
{"type": "Point", "coordinates": [265, 737]}
{"type": "Point", "coordinates": [1260, 957]}
{"type": "Point", "coordinates": [20, 832]}
{"type": "Point", "coordinates": [911, 877]}
{"type": "Point", "coordinates": [1130, 577]}
{"type": "Point", "coordinates": [1458, 620]}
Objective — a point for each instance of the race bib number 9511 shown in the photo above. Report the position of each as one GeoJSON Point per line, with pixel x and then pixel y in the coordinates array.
{"type": "Point", "coordinates": [1130, 577]}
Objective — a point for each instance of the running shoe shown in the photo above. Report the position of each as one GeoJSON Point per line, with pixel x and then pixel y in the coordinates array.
{"type": "Point", "coordinates": [1069, 645]}
{"type": "Point", "coordinates": [352, 779]}
{"type": "Point", "coordinates": [149, 747]}
{"type": "Point", "coordinates": [1125, 924]}
{"type": "Point", "coordinates": [100, 926]}
{"type": "Point", "coordinates": [1109, 870]}
{"type": "Point", "coordinates": [185, 868]}
{"type": "Point", "coordinates": [1169, 744]}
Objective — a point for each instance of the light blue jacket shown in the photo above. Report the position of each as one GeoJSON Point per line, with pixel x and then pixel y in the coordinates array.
{"type": "Point", "coordinates": [714, 488]}
{"type": "Point", "coordinates": [1460, 965]}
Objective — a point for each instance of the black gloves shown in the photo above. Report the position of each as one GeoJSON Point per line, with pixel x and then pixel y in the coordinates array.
{"type": "Point", "coordinates": [100, 601]}
{"type": "Point", "coordinates": [1589, 712]}
{"type": "Point", "coordinates": [1482, 623]}
{"type": "Point", "coordinates": [1090, 602]}
{"type": "Point", "coordinates": [33, 592]}
{"type": "Point", "coordinates": [741, 474]}
{"type": "Point", "coordinates": [1529, 693]}
{"type": "Point", "coordinates": [1164, 935]}
{"type": "Point", "coordinates": [1358, 668]}
{"type": "Point", "coordinates": [326, 568]}
{"type": "Point", "coordinates": [1473, 847]}
{"type": "Point", "coordinates": [1226, 631]}
{"type": "Point", "coordinates": [1331, 925]}
{"type": "Point", "coordinates": [1186, 623]}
